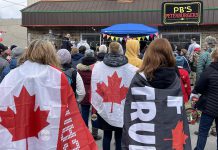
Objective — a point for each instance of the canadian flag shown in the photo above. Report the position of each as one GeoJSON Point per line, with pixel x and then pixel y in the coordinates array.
{"type": "Point", "coordinates": [38, 111]}
{"type": "Point", "coordinates": [109, 86]}
{"type": "Point", "coordinates": [1, 39]}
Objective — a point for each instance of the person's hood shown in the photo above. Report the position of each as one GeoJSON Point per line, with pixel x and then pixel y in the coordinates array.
{"type": "Point", "coordinates": [132, 49]}
{"type": "Point", "coordinates": [132, 52]}
{"type": "Point", "coordinates": [115, 60]}
{"type": "Point", "coordinates": [100, 56]}
{"type": "Point", "coordinates": [214, 65]}
{"type": "Point", "coordinates": [13, 63]}
{"type": "Point", "coordinates": [163, 77]}
{"type": "Point", "coordinates": [77, 56]}
{"type": "Point", "coordinates": [89, 60]}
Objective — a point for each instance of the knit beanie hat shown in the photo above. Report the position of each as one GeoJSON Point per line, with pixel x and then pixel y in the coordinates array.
{"type": "Point", "coordinates": [64, 56]}
{"type": "Point", "coordinates": [3, 47]}
{"type": "Point", "coordinates": [16, 52]}
{"type": "Point", "coordinates": [89, 53]}
{"type": "Point", "coordinates": [12, 47]}
{"type": "Point", "coordinates": [197, 49]}
{"type": "Point", "coordinates": [180, 61]}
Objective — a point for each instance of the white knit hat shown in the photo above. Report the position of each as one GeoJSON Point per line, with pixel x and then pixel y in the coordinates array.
{"type": "Point", "coordinates": [89, 53]}
{"type": "Point", "coordinates": [64, 56]}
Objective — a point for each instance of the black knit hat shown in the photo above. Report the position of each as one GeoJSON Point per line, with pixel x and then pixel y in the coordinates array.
{"type": "Point", "coordinates": [3, 47]}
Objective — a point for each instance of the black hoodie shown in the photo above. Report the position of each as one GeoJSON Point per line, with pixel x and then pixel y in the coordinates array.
{"type": "Point", "coordinates": [163, 77]}
{"type": "Point", "coordinates": [207, 85]}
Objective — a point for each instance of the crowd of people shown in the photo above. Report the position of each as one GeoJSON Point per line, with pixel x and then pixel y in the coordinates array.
{"type": "Point", "coordinates": [104, 82]}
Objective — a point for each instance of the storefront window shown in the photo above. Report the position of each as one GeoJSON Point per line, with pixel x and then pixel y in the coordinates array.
{"type": "Point", "coordinates": [182, 39]}
{"type": "Point", "coordinates": [92, 39]}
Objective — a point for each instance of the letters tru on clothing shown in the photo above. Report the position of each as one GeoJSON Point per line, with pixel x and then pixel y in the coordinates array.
{"type": "Point", "coordinates": [154, 119]}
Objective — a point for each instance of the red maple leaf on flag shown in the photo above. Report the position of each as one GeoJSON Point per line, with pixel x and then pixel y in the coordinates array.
{"type": "Point", "coordinates": [113, 92]}
{"type": "Point", "coordinates": [179, 137]}
{"type": "Point", "coordinates": [25, 122]}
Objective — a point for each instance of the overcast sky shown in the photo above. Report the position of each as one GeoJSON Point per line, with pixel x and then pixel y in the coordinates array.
{"type": "Point", "coordinates": [11, 8]}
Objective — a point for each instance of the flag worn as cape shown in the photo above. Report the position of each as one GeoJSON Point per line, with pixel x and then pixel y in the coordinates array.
{"type": "Point", "coordinates": [155, 119]}
{"type": "Point", "coordinates": [109, 86]}
{"type": "Point", "coordinates": [38, 111]}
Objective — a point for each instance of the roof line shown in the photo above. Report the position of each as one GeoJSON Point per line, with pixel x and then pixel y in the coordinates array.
{"type": "Point", "coordinates": [90, 11]}
{"type": "Point", "coordinates": [29, 6]}
{"type": "Point", "coordinates": [100, 11]}
{"type": "Point", "coordinates": [72, 25]}
{"type": "Point", "coordinates": [64, 25]}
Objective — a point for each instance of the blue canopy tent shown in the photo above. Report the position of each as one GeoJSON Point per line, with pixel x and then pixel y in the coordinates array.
{"type": "Point", "coordinates": [129, 29]}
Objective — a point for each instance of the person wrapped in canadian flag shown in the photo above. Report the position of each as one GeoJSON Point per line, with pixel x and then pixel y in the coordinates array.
{"type": "Point", "coordinates": [110, 81]}
{"type": "Point", "coordinates": [38, 110]}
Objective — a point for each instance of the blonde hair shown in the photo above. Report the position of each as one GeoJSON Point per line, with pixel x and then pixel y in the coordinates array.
{"type": "Point", "coordinates": [214, 55]}
{"type": "Point", "coordinates": [42, 52]}
{"type": "Point", "coordinates": [74, 50]}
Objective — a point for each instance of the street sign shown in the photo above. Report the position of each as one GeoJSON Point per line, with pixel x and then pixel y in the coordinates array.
{"type": "Point", "coordinates": [185, 12]}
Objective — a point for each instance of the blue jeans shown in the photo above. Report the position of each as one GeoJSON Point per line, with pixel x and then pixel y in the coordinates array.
{"type": "Point", "coordinates": [204, 128]}
{"type": "Point", "coordinates": [85, 113]}
{"type": "Point", "coordinates": [108, 136]}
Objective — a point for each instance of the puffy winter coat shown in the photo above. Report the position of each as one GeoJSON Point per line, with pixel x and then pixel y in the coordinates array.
{"type": "Point", "coordinates": [204, 61]}
{"type": "Point", "coordinates": [66, 44]}
{"type": "Point", "coordinates": [207, 85]}
{"type": "Point", "coordinates": [85, 70]}
{"type": "Point", "coordinates": [185, 83]}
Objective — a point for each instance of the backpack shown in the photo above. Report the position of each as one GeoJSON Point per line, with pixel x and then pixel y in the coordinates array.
{"type": "Point", "coordinates": [71, 77]}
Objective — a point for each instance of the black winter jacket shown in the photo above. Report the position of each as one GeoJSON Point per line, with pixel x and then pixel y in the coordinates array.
{"type": "Point", "coordinates": [66, 44]}
{"type": "Point", "coordinates": [208, 87]}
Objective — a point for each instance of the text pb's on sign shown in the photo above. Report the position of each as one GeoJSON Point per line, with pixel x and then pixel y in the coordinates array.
{"type": "Point", "coordinates": [186, 12]}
